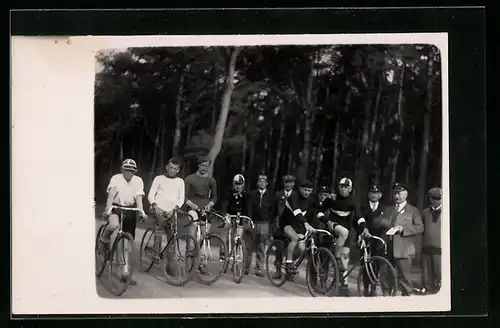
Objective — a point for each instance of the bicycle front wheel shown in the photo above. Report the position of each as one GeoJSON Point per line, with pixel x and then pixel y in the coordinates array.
{"type": "Point", "coordinates": [101, 257]}
{"type": "Point", "coordinates": [211, 263]}
{"type": "Point", "coordinates": [377, 277]}
{"type": "Point", "coordinates": [238, 260]}
{"type": "Point", "coordinates": [322, 274]}
{"type": "Point", "coordinates": [147, 253]}
{"type": "Point", "coordinates": [275, 263]}
{"type": "Point", "coordinates": [121, 266]}
{"type": "Point", "coordinates": [181, 258]}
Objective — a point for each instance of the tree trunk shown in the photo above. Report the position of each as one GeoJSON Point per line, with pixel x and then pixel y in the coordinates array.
{"type": "Point", "coordinates": [397, 150]}
{"type": "Point", "coordinates": [375, 116]}
{"type": "Point", "coordinates": [226, 102]}
{"type": "Point", "coordinates": [162, 149]}
{"type": "Point", "coordinates": [245, 146]}
{"type": "Point", "coordinates": [336, 154]}
{"type": "Point", "coordinates": [177, 133]}
{"type": "Point", "coordinates": [319, 157]}
{"type": "Point", "coordinates": [278, 150]}
{"type": "Point", "coordinates": [425, 136]}
{"type": "Point", "coordinates": [309, 119]}
{"type": "Point", "coordinates": [153, 164]}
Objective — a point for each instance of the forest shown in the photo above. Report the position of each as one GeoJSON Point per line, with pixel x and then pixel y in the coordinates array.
{"type": "Point", "coordinates": [321, 112]}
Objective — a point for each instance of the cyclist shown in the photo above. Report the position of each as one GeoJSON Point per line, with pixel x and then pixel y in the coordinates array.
{"type": "Point", "coordinates": [237, 201]}
{"type": "Point", "coordinates": [338, 219]}
{"type": "Point", "coordinates": [167, 192]}
{"type": "Point", "coordinates": [201, 192]}
{"type": "Point", "coordinates": [297, 218]}
{"type": "Point", "coordinates": [124, 189]}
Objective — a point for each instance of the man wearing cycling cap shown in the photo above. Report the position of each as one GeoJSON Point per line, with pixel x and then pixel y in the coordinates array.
{"type": "Point", "coordinates": [237, 201]}
{"type": "Point", "coordinates": [282, 195]}
{"type": "Point", "coordinates": [124, 189]}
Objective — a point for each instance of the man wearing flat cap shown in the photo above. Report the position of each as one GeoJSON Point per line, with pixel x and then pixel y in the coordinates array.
{"type": "Point", "coordinates": [261, 212]}
{"type": "Point", "coordinates": [431, 251]}
{"type": "Point", "coordinates": [369, 212]}
{"type": "Point", "coordinates": [407, 222]}
{"type": "Point", "coordinates": [282, 195]}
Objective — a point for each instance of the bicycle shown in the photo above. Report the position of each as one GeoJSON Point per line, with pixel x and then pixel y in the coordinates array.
{"type": "Point", "coordinates": [371, 267]}
{"type": "Point", "coordinates": [116, 257]}
{"type": "Point", "coordinates": [208, 242]}
{"type": "Point", "coordinates": [237, 246]}
{"type": "Point", "coordinates": [316, 264]}
{"type": "Point", "coordinates": [149, 256]}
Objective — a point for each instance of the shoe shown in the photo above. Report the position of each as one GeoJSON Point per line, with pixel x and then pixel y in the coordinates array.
{"type": "Point", "coordinates": [245, 272]}
{"type": "Point", "coordinates": [124, 279]}
{"type": "Point", "coordinates": [259, 273]}
{"type": "Point", "coordinates": [103, 247]}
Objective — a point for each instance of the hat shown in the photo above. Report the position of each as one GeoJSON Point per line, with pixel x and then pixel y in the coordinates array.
{"type": "Point", "coordinates": [375, 188]}
{"type": "Point", "coordinates": [129, 165]}
{"type": "Point", "coordinates": [324, 190]}
{"type": "Point", "coordinates": [345, 182]}
{"type": "Point", "coordinates": [306, 184]}
{"type": "Point", "coordinates": [239, 179]}
{"type": "Point", "coordinates": [262, 177]}
{"type": "Point", "coordinates": [399, 187]}
{"type": "Point", "coordinates": [288, 178]}
{"type": "Point", "coordinates": [436, 193]}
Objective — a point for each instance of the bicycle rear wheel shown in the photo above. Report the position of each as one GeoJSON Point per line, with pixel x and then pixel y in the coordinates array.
{"type": "Point", "coordinates": [101, 258]}
{"type": "Point", "coordinates": [322, 273]}
{"type": "Point", "coordinates": [181, 258]}
{"type": "Point", "coordinates": [275, 260]}
{"type": "Point", "coordinates": [147, 253]}
{"type": "Point", "coordinates": [377, 277]}
{"type": "Point", "coordinates": [121, 269]}
{"type": "Point", "coordinates": [238, 260]}
{"type": "Point", "coordinates": [211, 264]}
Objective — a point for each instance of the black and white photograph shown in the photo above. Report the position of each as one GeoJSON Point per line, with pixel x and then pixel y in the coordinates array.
{"type": "Point", "coordinates": [233, 174]}
{"type": "Point", "coordinates": [252, 171]}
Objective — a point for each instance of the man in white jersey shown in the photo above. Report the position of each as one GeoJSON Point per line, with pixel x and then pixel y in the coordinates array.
{"type": "Point", "coordinates": [167, 192]}
{"type": "Point", "coordinates": [124, 189]}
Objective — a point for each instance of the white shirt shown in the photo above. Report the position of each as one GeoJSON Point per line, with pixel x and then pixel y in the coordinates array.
{"type": "Point", "coordinates": [167, 193]}
{"type": "Point", "coordinates": [374, 206]}
{"type": "Point", "coordinates": [126, 191]}
{"type": "Point", "coordinates": [287, 193]}
{"type": "Point", "coordinates": [437, 208]}
{"type": "Point", "coordinates": [399, 207]}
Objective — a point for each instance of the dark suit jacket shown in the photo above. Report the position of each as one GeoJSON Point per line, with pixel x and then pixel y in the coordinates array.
{"type": "Point", "coordinates": [262, 208]}
{"type": "Point", "coordinates": [370, 216]}
{"type": "Point", "coordinates": [403, 243]}
{"type": "Point", "coordinates": [279, 202]}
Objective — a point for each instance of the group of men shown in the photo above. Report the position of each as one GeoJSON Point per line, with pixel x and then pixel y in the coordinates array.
{"type": "Point", "coordinates": [291, 212]}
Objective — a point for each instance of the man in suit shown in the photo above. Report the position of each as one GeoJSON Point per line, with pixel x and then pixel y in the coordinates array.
{"type": "Point", "coordinates": [431, 251]}
{"type": "Point", "coordinates": [407, 222]}
{"type": "Point", "coordinates": [282, 195]}
{"type": "Point", "coordinates": [261, 212]}
{"type": "Point", "coordinates": [369, 212]}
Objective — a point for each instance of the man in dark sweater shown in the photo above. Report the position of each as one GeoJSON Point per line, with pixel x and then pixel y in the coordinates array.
{"type": "Point", "coordinates": [431, 251]}
{"type": "Point", "coordinates": [261, 212]}
{"type": "Point", "coordinates": [201, 192]}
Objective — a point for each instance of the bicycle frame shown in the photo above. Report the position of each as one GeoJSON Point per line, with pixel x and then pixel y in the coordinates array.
{"type": "Point", "coordinates": [235, 221]}
{"type": "Point", "coordinates": [310, 245]}
{"type": "Point", "coordinates": [365, 258]}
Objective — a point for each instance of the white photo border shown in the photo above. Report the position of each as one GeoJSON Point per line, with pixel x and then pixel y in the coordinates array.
{"type": "Point", "coordinates": [53, 221]}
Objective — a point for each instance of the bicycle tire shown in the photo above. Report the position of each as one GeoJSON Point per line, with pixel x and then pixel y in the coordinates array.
{"type": "Point", "coordinates": [200, 276]}
{"type": "Point", "coordinates": [143, 256]}
{"type": "Point", "coordinates": [393, 278]}
{"type": "Point", "coordinates": [332, 289]}
{"type": "Point", "coordinates": [99, 268]}
{"type": "Point", "coordinates": [195, 259]}
{"type": "Point", "coordinates": [238, 274]}
{"type": "Point", "coordinates": [124, 285]}
{"type": "Point", "coordinates": [278, 244]}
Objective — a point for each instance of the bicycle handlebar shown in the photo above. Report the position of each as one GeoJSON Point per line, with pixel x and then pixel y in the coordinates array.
{"type": "Point", "coordinates": [315, 232]}
{"type": "Point", "coordinates": [204, 213]}
{"type": "Point", "coordinates": [362, 238]}
{"type": "Point", "coordinates": [135, 209]}
{"type": "Point", "coordinates": [239, 216]}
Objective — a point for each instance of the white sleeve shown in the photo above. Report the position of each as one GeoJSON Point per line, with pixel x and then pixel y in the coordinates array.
{"type": "Point", "coordinates": [153, 190]}
{"type": "Point", "coordinates": [140, 187]}
{"type": "Point", "coordinates": [181, 193]}
{"type": "Point", "coordinates": [112, 184]}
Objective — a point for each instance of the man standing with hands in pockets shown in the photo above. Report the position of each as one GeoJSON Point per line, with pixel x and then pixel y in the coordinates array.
{"type": "Point", "coordinates": [405, 223]}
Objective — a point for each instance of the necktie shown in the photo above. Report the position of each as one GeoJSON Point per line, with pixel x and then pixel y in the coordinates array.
{"type": "Point", "coordinates": [435, 215]}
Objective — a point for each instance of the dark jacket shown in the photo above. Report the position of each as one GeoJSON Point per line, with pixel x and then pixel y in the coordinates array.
{"type": "Point", "coordinates": [279, 202]}
{"type": "Point", "coordinates": [234, 202]}
{"type": "Point", "coordinates": [262, 206]}
{"type": "Point", "coordinates": [341, 211]}
{"type": "Point", "coordinates": [432, 231]}
{"type": "Point", "coordinates": [366, 217]}
{"type": "Point", "coordinates": [297, 211]}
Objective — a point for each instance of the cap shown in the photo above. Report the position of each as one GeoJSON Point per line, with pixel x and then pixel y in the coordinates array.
{"type": "Point", "coordinates": [436, 193]}
{"type": "Point", "coordinates": [306, 184]}
{"type": "Point", "coordinates": [262, 177]}
{"type": "Point", "coordinates": [129, 165]}
{"type": "Point", "coordinates": [375, 188]}
{"type": "Point", "coordinates": [324, 190]}
{"type": "Point", "coordinates": [288, 178]}
{"type": "Point", "coordinates": [399, 187]}
{"type": "Point", "coordinates": [238, 178]}
{"type": "Point", "coordinates": [345, 182]}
